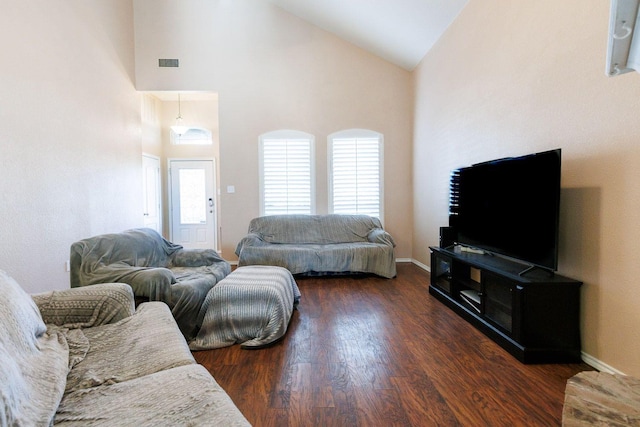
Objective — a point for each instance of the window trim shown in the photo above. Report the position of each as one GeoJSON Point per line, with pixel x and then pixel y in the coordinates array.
{"type": "Point", "coordinates": [185, 139]}
{"type": "Point", "coordinates": [350, 134]}
{"type": "Point", "coordinates": [291, 135]}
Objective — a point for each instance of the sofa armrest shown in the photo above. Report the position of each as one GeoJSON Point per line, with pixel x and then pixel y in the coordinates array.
{"type": "Point", "coordinates": [251, 239]}
{"type": "Point", "coordinates": [87, 306]}
{"type": "Point", "coordinates": [378, 235]}
{"type": "Point", "coordinates": [195, 258]}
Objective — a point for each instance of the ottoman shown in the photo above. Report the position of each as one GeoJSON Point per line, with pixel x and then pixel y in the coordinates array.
{"type": "Point", "coordinates": [252, 306]}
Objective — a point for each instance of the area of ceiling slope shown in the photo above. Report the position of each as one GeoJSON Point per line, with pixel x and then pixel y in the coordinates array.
{"type": "Point", "coordinates": [400, 31]}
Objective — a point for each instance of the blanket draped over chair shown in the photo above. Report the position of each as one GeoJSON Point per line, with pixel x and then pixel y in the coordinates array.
{"type": "Point", "coordinates": [154, 268]}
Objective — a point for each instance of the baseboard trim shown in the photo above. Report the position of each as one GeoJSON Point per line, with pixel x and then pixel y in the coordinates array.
{"type": "Point", "coordinates": [425, 267]}
{"type": "Point", "coordinates": [599, 364]}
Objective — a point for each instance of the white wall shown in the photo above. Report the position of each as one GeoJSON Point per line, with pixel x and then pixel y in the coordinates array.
{"type": "Point", "coordinates": [274, 71]}
{"type": "Point", "coordinates": [511, 78]}
{"type": "Point", "coordinates": [70, 156]}
{"type": "Point", "coordinates": [151, 125]}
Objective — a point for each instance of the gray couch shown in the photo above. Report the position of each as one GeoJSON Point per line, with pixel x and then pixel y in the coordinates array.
{"type": "Point", "coordinates": [319, 244]}
{"type": "Point", "coordinates": [84, 357]}
{"type": "Point", "coordinates": [156, 269]}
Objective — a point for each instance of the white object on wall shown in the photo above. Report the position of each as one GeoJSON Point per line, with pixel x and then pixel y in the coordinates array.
{"type": "Point", "coordinates": [623, 49]}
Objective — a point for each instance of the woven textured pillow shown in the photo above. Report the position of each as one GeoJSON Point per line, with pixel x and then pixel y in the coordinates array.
{"type": "Point", "coordinates": [34, 363]}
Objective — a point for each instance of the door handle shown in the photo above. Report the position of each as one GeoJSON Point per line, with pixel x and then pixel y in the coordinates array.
{"type": "Point", "coordinates": [210, 202]}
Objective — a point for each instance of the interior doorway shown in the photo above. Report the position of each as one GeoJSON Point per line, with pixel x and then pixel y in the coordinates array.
{"type": "Point", "coordinates": [151, 193]}
{"type": "Point", "coordinates": [192, 203]}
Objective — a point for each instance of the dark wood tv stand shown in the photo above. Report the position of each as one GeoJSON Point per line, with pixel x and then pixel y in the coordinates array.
{"type": "Point", "coordinates": [535, 317]}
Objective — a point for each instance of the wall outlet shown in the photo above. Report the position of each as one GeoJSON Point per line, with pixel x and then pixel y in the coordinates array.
{"type": "Point", "coordinates": [67, 266]}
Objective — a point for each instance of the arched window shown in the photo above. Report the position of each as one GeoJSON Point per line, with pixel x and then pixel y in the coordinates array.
{"type": "Point", "coordinates": [356, 172]}
{"type": "Point", "coordinates": [287, 173]}
{"type": "Point", "coordinates": [192, 136]}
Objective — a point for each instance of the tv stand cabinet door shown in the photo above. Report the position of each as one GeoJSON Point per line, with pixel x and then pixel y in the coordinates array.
{"type": "Point", "coordinates": [441, 272]}
{"type": "Point", "coordinates": [498, 297]}
{"type": "Point", "coordinates": [551, 316]}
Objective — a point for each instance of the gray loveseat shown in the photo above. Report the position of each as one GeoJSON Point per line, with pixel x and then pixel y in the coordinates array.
{"type": "Point", "coordinates": [156, 269]}
{"type": "Point", "coordinates": [84, 357]}
{"type": "Point", "coordinates": [319, 244]}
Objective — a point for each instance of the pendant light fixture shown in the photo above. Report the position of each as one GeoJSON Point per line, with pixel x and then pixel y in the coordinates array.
{"type": "Point", "coordinates": [179, 128]}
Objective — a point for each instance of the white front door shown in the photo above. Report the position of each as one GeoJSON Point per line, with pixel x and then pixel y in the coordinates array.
{"type": "Point", "coordinates": [193, 203]}
{"type": "Point", "coordinates": [151, 210]}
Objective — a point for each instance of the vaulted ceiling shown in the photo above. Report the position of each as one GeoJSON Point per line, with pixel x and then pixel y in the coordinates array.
{"type": "Point", "coordinates": [400, 31]}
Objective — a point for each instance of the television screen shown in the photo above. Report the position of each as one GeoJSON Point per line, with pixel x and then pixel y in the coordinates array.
{"type": "Point", "coordinates": [510, 207]}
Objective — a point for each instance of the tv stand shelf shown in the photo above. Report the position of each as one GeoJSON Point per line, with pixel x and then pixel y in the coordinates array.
{"type": "Point", "coordinates": [535, 316]}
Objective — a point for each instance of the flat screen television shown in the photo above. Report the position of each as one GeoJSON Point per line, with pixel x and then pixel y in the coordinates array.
{"type": "Point", "coordinates": [510, 207]}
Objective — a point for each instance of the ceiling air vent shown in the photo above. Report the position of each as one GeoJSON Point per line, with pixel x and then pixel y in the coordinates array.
{"type": "Point", "coordinates": [168, 63]}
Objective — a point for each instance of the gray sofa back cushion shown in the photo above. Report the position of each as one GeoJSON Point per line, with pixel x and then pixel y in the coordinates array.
{"type": "Point", "coordinates": [314, 229]}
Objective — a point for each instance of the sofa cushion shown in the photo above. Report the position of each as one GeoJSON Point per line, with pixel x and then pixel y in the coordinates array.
{"type": "Point", "coordinates": [145, 343]}
{"type": "Point", "coordinates": [314, 229]}
{"type": "Point", "coordinates": [336, 258]}
{"type": "Point", "coordinates": [186, 395]}
{"type": "Point", "coordinates": [33, 364]}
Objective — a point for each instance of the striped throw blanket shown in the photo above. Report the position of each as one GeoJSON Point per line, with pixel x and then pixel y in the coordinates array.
{"type": "Point", "coordinates": [252, 306]}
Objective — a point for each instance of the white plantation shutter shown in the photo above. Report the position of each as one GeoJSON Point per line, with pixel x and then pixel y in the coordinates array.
{"type": "Point", "coordinates": [286, 173]}
{"type": "Point", "coordinates": [356, 173]}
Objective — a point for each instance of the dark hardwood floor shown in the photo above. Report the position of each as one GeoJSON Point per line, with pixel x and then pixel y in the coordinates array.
{"type": "Point", "coordinates": [367, 351]}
